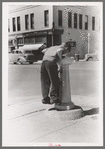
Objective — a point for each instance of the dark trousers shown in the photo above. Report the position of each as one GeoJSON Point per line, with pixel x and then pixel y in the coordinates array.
{"type": "Point", "coordinates": [50, 80]}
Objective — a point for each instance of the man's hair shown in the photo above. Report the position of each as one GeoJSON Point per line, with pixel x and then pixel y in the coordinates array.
{"type": "Point", "coordinates": [67, 44]}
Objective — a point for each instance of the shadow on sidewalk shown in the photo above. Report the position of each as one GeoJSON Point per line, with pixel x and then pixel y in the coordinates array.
{"type": "Point", "coordinates": [91, 111]}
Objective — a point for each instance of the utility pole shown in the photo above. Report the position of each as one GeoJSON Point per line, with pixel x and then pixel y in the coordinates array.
{"type": "Point", "coordinates": [53, 34]}
{"type": "Point", "coordinates": [88, 42]}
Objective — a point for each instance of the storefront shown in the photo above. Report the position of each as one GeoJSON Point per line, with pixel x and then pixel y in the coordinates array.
{"type": "Point", "coordinates": [50, 37]}
{"type": "Point", "coordinates": [11, 44]}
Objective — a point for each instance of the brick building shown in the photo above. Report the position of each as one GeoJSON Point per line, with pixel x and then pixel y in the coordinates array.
{"type": "Point", "coordinates": [52, 24]}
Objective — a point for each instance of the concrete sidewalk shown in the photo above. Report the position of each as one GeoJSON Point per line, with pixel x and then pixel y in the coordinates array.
{"type": "Point", "coordinates": [35, 124]}
{"type": "Point", "coordinates": [35, 105]}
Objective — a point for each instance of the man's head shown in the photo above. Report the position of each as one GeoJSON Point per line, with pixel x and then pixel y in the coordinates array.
{"type": "Point", "coordinates": [66, 47]}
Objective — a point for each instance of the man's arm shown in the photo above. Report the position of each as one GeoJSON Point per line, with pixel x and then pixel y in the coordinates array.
{"type": "Point", "coordinates": [59, 61]}
{"type": "Point", "coordinates": [59, 54]}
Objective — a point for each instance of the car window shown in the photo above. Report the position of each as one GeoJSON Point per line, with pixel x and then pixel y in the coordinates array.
{"type": "Point", "coordinates": [28, 52]}
{"type": "Point", "coordinates": [16, 52]}
{"type": "Point", "coordinates": [20, 52]}
{"type": "Point", "coordinates": [13, 52]}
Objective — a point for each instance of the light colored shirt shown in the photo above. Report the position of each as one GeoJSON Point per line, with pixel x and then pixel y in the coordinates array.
{"type": "Point", "coordinates": [53, 54]}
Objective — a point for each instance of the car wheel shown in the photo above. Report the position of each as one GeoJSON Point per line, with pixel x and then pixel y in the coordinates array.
{"type": "Point", "coordinates": [19, 61]}
{"type": "Point", "coordinates": [90, 59]}
{"type": "Point", "coordinates": [30, 62]}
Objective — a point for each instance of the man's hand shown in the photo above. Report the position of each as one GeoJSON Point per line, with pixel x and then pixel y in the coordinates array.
{"type": "Point", "coordinates": [43, 51]}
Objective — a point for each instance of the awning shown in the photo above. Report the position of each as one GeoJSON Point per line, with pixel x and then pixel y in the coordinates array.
{"type": "Point", "coordinates": [32, 47]}
{"type": "Point", "coordinates": [20, 36]}
{"type": "Point", "coordinates": [15, 36]}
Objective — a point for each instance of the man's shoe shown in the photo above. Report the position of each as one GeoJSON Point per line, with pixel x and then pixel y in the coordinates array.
{"type": "Point", "coordinates": [46, 100]}
{"type": "Point", "coordinates": [55, 101]}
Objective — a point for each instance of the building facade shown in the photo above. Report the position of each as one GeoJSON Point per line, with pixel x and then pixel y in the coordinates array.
{"type": "Point", "coordinates": [52, 24]}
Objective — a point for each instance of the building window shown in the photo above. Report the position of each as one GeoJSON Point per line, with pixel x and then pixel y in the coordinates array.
{"type": "Point", "coordinates": [10, 43]}
{"type": "Point", "coordinates": [80, 21]}
{"type": "Point", "coordinates": [86, 22]}
{"type": "Point", "coordinates": [40, 39]}
{"type": "Point", "coordinates": [32, 20]}
{"type": "Point", "coordinates": [46, 18]}
{"type": "Point", "coordinates": [26, 22]}
{"type": "Point", "coordinates": [59, 18]}
{"type": "Point", "coordinates": [18, 23]}
{"type": "Point", "coordinates": [75, 20]}
{"type": "Point", "coordinates": [29, 40]}
{"type": "Point", "coordinates": [14, 25]}
{"type": "Point", "coordinates": [8, 25]}
{"type": "Point", "coordinates": [93, 23]}
{"type": "Point", "coordinates": [69, 19]}
{"type": "Point", "coordinates": [20, 40]}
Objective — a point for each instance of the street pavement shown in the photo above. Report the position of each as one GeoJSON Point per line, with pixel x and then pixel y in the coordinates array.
{"type": "Point", "coordinates": [24, 80]}
{"type": "Point", "coordinates": [32, 123]}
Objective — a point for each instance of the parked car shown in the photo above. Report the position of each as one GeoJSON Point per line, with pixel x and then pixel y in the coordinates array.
{"type": "Point", "coordinates": [27, 53]}
{"type": "Point", "coordinates": [92, 56]}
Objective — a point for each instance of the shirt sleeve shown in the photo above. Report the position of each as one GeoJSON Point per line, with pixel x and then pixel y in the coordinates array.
{"type": "Point", "coordinates": [59, 54]}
